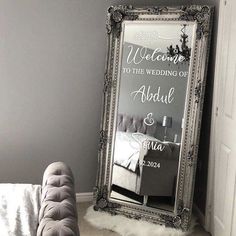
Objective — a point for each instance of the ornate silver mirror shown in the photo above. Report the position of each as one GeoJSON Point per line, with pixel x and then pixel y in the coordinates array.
{"type": "Point", "coordinates": [153, 96]}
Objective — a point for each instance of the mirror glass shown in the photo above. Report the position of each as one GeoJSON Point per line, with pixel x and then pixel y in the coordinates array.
{"type": "Point", "coordinates": [153, 79]}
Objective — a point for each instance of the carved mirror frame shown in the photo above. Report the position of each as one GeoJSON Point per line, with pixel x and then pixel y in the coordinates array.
{"type": "Point", "coordinates": [202, 17]}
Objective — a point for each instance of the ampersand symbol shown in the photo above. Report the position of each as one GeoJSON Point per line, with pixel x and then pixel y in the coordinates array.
{"type": "Point", "coordinates": [149, 121]}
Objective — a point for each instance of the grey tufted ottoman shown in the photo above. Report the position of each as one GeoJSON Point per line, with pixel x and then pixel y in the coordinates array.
{"type": "Point", "coordinates": [58, 213]}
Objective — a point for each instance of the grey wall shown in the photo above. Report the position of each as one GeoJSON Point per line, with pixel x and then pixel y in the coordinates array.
{"type": "Point", "coordinates": [52, 56]}
{"type": "Point", "coordinates": [51, 73]}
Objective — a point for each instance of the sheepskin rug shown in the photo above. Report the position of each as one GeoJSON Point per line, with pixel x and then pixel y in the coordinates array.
{"type": "Point", "coordinates": [129, 227]}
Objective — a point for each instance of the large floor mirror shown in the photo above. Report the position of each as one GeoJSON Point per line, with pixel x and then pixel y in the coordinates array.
{"type": "Point", "coordinates": [153, 96]}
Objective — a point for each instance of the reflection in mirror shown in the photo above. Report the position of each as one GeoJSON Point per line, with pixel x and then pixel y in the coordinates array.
{"type": "Point", "coordinates": [155, 59]}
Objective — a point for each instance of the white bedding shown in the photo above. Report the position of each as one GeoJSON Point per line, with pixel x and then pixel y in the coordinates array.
{"type": "Point", "coordinates": [129, 149]}
{"type": "Point", "coordinates": [19, 208]}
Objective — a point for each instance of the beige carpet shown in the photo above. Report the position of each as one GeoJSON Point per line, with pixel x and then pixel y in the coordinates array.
{"type": "Point", "coordinates": [87, 230]}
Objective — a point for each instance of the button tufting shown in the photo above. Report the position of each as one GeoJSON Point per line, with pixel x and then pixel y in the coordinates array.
{"type": "Point", "coordinates": [58, 213]}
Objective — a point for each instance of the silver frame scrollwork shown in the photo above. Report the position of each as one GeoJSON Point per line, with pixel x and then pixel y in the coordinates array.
{"type": "Point", "coordinates": [181, 216]}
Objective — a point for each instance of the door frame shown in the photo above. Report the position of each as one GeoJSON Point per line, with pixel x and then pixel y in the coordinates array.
{"type": "Point", "coordinates": [211, 167]}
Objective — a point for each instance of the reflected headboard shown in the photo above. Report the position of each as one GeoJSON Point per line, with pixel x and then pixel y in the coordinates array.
{"type": "Point", "coordinates": [133, 124]}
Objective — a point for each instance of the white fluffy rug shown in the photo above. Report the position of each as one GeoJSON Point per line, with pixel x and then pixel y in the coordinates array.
{"type": "Point", "coordinates": [128, 227]}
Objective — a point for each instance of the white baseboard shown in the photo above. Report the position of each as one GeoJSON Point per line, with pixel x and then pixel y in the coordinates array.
{"type": "Point", "coordinates": [199, 215]}
{"type": "Point", "coordinates": [84, 197]}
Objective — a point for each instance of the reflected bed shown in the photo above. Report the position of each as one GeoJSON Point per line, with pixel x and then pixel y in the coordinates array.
{"type": "Point", "coordinates": [138, 168]}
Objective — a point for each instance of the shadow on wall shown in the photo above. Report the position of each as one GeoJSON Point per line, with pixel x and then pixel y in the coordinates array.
{"type": "Point", "coordinates": [203, 155]}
